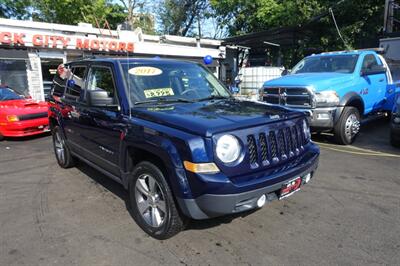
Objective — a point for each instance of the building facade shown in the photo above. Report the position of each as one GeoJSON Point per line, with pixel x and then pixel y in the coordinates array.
{"type": "Point", "coordinates": [30, 52]}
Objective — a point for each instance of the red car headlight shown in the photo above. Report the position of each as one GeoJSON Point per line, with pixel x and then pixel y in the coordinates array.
{"type": "Point", "coordinates": [12, 118]}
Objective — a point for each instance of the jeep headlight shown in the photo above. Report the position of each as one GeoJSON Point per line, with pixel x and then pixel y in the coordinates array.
{"type": "Point", "coordinates": [326, 98]}
{"type": "Point", "coordinates": [228, 149]}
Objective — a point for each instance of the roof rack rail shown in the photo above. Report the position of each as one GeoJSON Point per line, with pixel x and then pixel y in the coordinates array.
{"type": "Point", "coordinates": [378, 50]}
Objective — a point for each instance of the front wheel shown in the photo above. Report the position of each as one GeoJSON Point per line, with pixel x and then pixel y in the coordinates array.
{"type": "Point", "coordinates": [153, 205]}
{"type": "Point", "coordinates": [348, 126]}
{"type": "Point", "coordinates": [395, 141]}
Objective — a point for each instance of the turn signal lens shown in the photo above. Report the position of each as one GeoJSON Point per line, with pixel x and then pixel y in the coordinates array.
{"type": "Point", "coordinates": [12, 118]}
{"type": "Point", "coordinates": [201, 168]}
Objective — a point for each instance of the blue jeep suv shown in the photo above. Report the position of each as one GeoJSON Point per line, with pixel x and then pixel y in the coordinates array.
{"type": "Point", "coordinates": [177, 140]}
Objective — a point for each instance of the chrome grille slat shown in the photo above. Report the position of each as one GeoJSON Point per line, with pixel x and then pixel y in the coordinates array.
{"type": "Point", "coordinates": [252, 147]}
{"type": "Point", "coordinates": [289, 96]}
{"type": "Point", "coordinates": [273, 146]}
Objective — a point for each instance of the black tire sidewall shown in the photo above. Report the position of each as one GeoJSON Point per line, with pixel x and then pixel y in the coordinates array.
{"type": "Point", "coordinates": [69, 160]}
{"type": "Point", "coordinates": [339, 130]}
{"type": "Point", "coordinates": [153, 171]}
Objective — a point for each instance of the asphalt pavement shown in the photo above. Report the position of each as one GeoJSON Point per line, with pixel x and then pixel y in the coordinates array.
{"type": "Point", "coordinates": [348, 215]}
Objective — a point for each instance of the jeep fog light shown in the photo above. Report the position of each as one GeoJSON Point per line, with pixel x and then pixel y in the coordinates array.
{"type": "Point", "coordinates": [228, 149]}
{"type": "Point", "coordinates": [307, 178]}
{"type": "Point", "coordinates": [261, 201]}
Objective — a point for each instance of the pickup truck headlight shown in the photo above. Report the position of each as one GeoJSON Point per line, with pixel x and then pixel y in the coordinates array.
{"type": "Point", "coordinates": [326, 98]}
{"type": "Point", "coordinates": [228, 149]}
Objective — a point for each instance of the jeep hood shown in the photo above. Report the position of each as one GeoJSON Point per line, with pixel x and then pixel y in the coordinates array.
{"type": "Point", "coordinates": [210, 117]}
{"type": "Point", "coordinates": [318, 81]}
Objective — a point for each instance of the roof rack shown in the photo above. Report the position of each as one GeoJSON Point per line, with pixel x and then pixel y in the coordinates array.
{"type": "Point", "coordinates": [379, 50]}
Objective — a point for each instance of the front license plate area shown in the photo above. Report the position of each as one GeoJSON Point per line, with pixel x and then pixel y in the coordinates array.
{"type": "Point", "coordinates": [290, 187]}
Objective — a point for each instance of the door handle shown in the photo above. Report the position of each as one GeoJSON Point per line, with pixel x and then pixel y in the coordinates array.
{"type": "Point", "coordinates": [381, 80]}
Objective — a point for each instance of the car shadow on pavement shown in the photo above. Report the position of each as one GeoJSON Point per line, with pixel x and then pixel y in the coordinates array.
{"type": "Point", "coordinates": [118, 190]}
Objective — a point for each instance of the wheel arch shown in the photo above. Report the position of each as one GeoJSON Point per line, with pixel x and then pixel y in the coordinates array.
{"type": "Point", "coordinates": [351, 99]}
{"type": "Point", "coordinates": [170, 167]}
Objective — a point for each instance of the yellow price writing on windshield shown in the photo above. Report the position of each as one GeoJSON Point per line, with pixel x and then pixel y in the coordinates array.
{"type": "Point", "coordinates": [158, 92]}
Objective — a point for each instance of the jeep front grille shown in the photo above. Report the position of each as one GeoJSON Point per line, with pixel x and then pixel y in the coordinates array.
{"type": "Point", "coordinates": [276, 145]}
{"type": "Point", "coordinates": [289, 96]}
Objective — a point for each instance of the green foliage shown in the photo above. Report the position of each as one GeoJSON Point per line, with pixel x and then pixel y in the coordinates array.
{"type": "Point", "coordinates": [360, 22]}
{"type": "Point", "coordinates": [178, 17]}
{"type": "Point", "coordinates": [75, 11]}
{"type": "Point", "coordinates": [14, 9]}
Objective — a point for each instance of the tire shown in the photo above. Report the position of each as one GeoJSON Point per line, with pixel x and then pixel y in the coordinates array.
{"type": "Point", "coordinates": [394, 141]}
{"type": "Point", "coordinates": [1, 137]}
{"type": "Point", "coordinates": [348, 126]}
{"type": "Point", "coordinates": [61, 150]}
{"type": "Point", "coordinates": [153, 207]}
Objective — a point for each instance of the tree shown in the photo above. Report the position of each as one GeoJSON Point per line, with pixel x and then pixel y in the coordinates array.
{"type": "Point", "coordinates": [75, 11]}
{"type": "Point", "coordinates": [178, 17]}
{"type": "Point", "coordinates": [18, 9]}
{"type": "Point", "coordinates": [138, 16]}
{"type": "Point", "coordinates": [360, 21]}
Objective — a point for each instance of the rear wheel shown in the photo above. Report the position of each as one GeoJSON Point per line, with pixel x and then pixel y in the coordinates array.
{"type": "Point", "coordinates": [348, 126]}
{"type": "Point", "coordinates": [61, 150]}
{"type": "Point", "coordinates": [153, 205]}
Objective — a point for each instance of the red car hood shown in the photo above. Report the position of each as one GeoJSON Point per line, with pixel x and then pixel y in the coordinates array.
{"type": "Point", "coordinates": [22, 106]}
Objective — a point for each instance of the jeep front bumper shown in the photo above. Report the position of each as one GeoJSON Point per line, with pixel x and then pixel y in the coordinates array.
{"type": "Point", "coordinates": [217, 204]}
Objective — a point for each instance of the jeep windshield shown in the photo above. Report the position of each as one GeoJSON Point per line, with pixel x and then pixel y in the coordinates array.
{"type": "Point", "coordinates": [166, 82]}
{"type": "Point", "coordinates": [327, 63]}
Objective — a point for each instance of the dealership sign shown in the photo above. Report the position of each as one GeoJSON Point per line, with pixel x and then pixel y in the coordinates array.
{"type": "Point", "coordinates": [64, 42]}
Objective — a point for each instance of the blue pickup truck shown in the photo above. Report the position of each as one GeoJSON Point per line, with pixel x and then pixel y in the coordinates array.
{"type": "Point", "coordinates": [338, 89]}
{"type": "Point", "coordinates": [177, 139]}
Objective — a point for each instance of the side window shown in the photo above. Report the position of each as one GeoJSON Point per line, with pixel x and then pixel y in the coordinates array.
{"type": "Point", "coordinates": [369, 62]}
{"type": "Point", "coordinates": [101, 79]}
{"type": "Point", "coordinates": [76, 82]}
{"type": "Point", "coordinates": [59, 81]}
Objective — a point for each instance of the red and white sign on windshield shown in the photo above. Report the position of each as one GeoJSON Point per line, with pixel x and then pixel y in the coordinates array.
{"type": "Point", "coordinates": [64, 42]}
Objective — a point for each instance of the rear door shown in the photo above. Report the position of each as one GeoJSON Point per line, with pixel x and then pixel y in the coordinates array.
{"type": "Point", "coordinates": [373, 87]}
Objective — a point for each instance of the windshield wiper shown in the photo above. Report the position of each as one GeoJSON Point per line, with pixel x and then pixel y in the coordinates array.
{"type": "Point", "coordinates": [164, 100]}
{"type": "Point", "coordinates": [213, 97]}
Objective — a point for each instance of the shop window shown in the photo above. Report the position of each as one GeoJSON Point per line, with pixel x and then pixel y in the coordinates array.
{"type": "Point", "coordinates": [13, 75]}
{"type": "Point", "coordinates": [76, 82]}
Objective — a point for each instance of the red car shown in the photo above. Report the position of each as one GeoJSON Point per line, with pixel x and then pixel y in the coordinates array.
{"type": "Point", "coordinates": [21, 116]}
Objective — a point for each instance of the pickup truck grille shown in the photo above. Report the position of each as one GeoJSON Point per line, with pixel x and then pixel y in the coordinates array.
{"type": "Point", "coordinates": [289, 96]}
{"type": "Point", "coordinates": [275, 145]}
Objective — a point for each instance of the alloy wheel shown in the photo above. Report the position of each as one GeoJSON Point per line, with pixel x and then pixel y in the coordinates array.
{"type": "Point", "coordinates": [150, 200]}
{"type": "Point", "coordinates": [59, 148]}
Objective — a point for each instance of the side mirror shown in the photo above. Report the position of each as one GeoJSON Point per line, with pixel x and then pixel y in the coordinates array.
{"type": "Point", "coordinates": [100, 98]}
{"type": "Point", "coordinates": [285, 72]}
{"type": "Point", "coordinates": [377, 69]}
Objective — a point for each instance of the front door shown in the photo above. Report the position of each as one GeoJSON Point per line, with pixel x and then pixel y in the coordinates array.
{"type": "Point", "coordinates": [373, 87]}
{"type": "Point", "coordinates": [103, 127]}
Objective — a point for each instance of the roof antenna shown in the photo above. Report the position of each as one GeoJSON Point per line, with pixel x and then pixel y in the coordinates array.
{"type": "Point", "coordinates": [338, 30]}
{"type": "Point", "coordinates": [129, 83]}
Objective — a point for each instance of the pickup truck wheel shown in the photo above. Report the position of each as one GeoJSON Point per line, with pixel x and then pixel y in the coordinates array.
{"type": "Point", "coordinates": [152, 203]}
{"type": "Point", "coordinates": [63, 155]}
{"type": "Point", "coordinates": [348, 126]}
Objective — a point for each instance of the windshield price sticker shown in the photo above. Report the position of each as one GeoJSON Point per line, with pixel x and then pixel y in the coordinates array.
{"type": "Point", "coordinates": [145, 71]}
{"type": "Point", "coordinates": [158, 92]}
